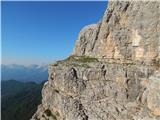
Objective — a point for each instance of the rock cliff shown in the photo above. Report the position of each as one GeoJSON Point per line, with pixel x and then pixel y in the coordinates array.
{"type": "Point", "coordinates": [114, 70]}
{"type": "Point", "coordinates": [128, 31]}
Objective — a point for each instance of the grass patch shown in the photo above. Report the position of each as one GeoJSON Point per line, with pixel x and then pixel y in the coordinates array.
{"type": "Point", "coordinates": [81, 65]}
{"type": "Point", "coordinates": [83, 59]}
{"type": "Point", "coordinates": [80, 61]}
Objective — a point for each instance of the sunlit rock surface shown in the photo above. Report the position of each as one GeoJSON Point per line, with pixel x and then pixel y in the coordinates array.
{"type": "Point", "coordinates": [114, 70]}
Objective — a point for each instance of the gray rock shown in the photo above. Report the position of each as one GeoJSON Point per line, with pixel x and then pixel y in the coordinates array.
{"type": "Point", "coordinates": [86, 40]}
{"type": "Point", "coordinates": [101, 91]}
{"type": "Point", "coordinates": [128, 30]}
{"type": "Point", "coordinates": [114, 71]}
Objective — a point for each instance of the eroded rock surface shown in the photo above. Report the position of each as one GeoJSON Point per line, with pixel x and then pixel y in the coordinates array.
{"type": "Point", "coordinates": [114, 72]}
{"type": "Point", "coordinates": [83, 88]}
{"type": "Point", "coordinates": [128, 30]}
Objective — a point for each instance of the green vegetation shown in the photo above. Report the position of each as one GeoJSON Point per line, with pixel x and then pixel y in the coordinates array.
{"type": "Point", "coordinates": [81, 65]}
{"type": "Point", "coordinates": [12, 87]}
{"type": "Point", "coordinates": [20, 100]}
{"type": "Point", "coordinates": [82, 59]}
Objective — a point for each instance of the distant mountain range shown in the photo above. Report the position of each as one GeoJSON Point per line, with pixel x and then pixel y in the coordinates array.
{"type": "Point", "coordinates": [36, 73]}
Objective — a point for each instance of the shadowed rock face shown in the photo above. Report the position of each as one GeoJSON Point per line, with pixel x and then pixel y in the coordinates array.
{"type": "Point", "coordinates": [114, 72]}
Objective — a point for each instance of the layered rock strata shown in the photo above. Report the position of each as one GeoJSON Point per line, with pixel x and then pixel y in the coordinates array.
{"type": "Point", "coordinates": [114, 71]}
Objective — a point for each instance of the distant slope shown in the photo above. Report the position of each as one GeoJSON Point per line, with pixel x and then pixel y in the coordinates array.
{"type": "Point", "coordinates": [36, 73]}
{"type": "Point", "coordinates": [20, 100]}
{"type": "Point", "coordinates": [12, 87]}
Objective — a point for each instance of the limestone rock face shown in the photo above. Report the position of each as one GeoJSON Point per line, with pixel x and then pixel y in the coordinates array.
{"type": "Point", "coordinates": [86, 89]}
{"type": "Point", "coordinates": [86, 40]}
{"type": "Point", "coordinates": [128, 30]}
{"type": "Point", "coordinates": [114, 71]}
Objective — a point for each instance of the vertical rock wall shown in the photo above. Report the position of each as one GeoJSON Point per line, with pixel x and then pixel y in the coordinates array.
{"type": "Point", "coordinates": [128, 31]}
{"type": "Point", "coordinates": [114, 71]}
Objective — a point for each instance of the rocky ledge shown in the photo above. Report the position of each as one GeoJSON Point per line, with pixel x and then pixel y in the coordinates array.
{"type": "Point", "coordinates": [83, 88]}
{"type": "Point", "coordinates": [114, 71]}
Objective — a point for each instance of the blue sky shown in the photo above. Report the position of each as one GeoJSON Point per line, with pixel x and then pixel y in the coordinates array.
{"type": "Point", "coordinates": [42, 32]}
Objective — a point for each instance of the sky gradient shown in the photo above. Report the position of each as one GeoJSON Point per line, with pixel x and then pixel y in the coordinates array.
{"type": "Point", "coordinates": [42, 32]}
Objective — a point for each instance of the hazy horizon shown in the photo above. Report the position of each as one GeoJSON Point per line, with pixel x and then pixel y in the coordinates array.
{"type": "Point", "coordinates": [43, 32]}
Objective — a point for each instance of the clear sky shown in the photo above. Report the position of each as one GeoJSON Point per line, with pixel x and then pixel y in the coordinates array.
{"type": "Point", "coordinates": [42, 32]}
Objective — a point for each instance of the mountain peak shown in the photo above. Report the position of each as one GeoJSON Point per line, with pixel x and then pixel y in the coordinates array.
{"type": "Point", "coordinates": [128, 31]}
{"type": "Point", "coordinates": [36, 73]}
